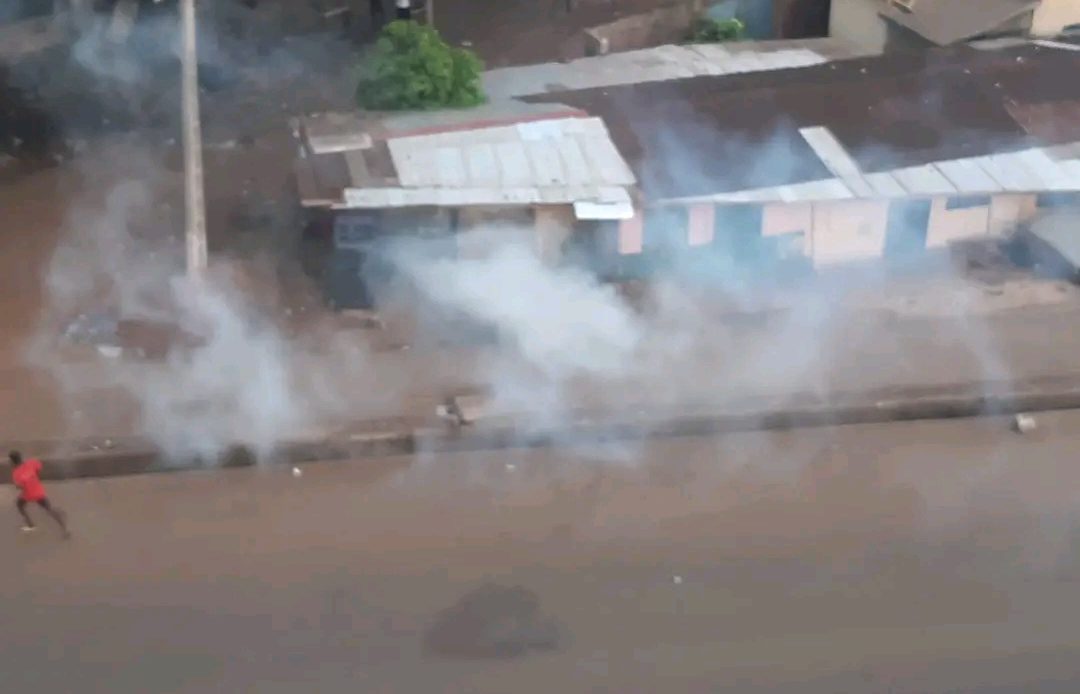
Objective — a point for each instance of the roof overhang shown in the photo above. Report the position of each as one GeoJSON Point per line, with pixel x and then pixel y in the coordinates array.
{"type": "Point", "coordinates": [596, 201]}
{"type": "Point", "coordinates": [945, 22]}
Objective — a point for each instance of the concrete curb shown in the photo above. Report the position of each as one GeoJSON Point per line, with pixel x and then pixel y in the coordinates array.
{"type": "Point", "coordinates": [891, 405]}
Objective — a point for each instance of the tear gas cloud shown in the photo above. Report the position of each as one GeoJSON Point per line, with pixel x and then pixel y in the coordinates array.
{"type": "Point", "coordinates": [233, 376]}
{"type": "Point", "coordinates": [565, 338]}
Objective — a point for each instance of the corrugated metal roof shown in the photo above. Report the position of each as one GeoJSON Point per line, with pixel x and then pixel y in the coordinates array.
{"type": "Point", "coordinates": [1052, 122]}
{"type": "Point", "coordinates": [498, 154]}
{"type": "Point", "coordinates": [1025, 171]}
{"type": "Point", "coordinates": [552, 153]}
{"type": "Point", "coordinates": [663, 63]}
{"type": "Point", "coordinates": [897, 111]}
{"type": "Point", "coordinates": [381, 198]}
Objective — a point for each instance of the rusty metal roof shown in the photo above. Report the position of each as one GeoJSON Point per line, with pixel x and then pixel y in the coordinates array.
{"type": "Point", "coordinates": [663, 63]}
{"type": "Point", "coordinates": [708, 135]}
{"type": "Point", "coordinates": [1050, 121]}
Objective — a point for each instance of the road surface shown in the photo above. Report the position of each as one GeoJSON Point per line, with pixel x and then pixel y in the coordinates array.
{"type": "Point", "coordinates": [918, 557]}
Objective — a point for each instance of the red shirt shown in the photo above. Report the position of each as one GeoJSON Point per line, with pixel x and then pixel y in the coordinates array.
{"type": "Point", "coordinates": [25, 477]}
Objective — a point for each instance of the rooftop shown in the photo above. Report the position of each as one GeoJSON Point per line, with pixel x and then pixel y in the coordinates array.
{"type": "Point", "coordinates": [712, 135]}
{"type": "Point", "coordinates": [499, 154]}
{"type": "Point", "coordinates": [663, 63]}
{"type": "Point", "coordinates": [949, 21]}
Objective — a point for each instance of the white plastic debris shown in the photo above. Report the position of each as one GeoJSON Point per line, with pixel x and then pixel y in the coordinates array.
{"type": "Point", "coordinates": [110, 351]}
{"type": "Point", "coordinates": [677, 580]}
{"type": "Point", "coordinates": [511, 466]}
{"type": "Point", "coordinates": [297, 472]}
{"type": "Point", "coordinates": [1025, 423]}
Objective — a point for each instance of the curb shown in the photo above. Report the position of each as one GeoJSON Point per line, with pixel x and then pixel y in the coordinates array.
{"type": "Point", "coordinates": [944, 402]}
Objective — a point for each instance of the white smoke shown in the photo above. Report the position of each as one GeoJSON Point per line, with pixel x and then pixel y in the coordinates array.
{"type": "Point", "coordinates": [560, 321]}
{"type": "Point", "coordinates": [224, 373]}
{"type": "Point", "coordinates": [233, 389]}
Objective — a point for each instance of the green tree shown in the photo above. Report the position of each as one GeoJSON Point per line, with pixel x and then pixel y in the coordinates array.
{"type": "Point", "coordinates": [412, 68]}
{"type": "Point", "coordinates": [709, 30]}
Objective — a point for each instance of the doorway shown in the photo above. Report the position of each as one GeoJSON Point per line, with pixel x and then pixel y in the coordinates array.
{"type": "Point", "coordinates": [905, 234]}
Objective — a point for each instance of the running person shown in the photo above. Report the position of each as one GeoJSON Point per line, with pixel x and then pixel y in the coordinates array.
{"type": "Point", "coordinates": [26, 475]}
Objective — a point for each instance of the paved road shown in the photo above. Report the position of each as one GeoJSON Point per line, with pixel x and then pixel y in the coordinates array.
{"type": "Point", "coordinates": [923, 557]}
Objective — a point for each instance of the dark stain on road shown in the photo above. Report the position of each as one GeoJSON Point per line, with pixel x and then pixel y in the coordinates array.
{"type": "Point", "coordinates": [493, 622]}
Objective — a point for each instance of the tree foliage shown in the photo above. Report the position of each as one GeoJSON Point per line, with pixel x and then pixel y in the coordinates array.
{"type": "Point", "coordinates": [709, 30]}
{"type": "Point", "coordinates": [411, 67]}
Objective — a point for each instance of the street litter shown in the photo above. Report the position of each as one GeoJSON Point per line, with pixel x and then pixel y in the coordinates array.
{"type": "Point", "coordinates": [1025, 423]}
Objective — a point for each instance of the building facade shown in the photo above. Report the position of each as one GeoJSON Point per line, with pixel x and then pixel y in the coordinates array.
{"type": "Point", "coordinates": [795, 168]}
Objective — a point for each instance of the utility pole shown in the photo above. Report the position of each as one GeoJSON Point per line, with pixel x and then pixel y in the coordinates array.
{"type": "Point", "coordinates": [194, 198]}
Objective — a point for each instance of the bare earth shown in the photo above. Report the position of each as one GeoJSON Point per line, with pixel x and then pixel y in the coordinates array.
{"type": "Point", "coordinates": [926, 557]}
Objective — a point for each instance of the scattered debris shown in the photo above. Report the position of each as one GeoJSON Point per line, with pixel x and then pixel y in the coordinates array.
{"type": "Point", "coordinates": [225, 145]}
{"type": "Point", "coordinates": [297, 472]}
{"type": "Point", "coordinates": [449, 413]}
{"type": "Point", "coordinates": [677, 580]}
{"type": "Point", "coordinates": [110, 351]}
{"type": "Point", "coordinates": [1025, 423]}
{"type": "Point", "coordinates": [467, 409]}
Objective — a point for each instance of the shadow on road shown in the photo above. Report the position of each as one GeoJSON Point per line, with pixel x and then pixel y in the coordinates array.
{"type": "Point", "coordinates": [493, 622]}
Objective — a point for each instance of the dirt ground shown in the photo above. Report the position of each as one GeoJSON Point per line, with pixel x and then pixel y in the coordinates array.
{"type": "Point", "coordinates": [929, 557]}
{"type": "Point", "coordinates": [520, 32]}
{"type": "Point", "coordinates": [892, 335]}
{"type": "Point", "coordinates": [248, 156]}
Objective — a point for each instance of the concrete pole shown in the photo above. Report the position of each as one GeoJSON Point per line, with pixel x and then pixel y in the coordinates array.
{"type": "Point", "coordinates": [194, 200]}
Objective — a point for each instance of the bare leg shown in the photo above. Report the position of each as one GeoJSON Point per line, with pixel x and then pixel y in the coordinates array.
{"type": "Point", "coordinates": [21, 505]}
{"type": "Point", "coordinates": [56, 514]}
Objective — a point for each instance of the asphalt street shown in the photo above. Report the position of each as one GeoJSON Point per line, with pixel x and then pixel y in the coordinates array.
{"type": "Point", "coordinates": [916, 557]}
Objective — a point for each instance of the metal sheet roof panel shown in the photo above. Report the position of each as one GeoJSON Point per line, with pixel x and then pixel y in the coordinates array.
{"type": "Point", "coordinates": [482, 165]}
{"type": "Point", "coordinates": [1071, 169]}
{"type": "Point", "coordinates": [513, 163]}
{"type": "Point", "coordinates": [967, 176]}
{"type": "Point", "coordinates": [1013, 178]}
{"type": "Point", "coordinates": [1048, 170]}
{"type": "Point", "coordinates": [885, 185]}
{"type": "Point", "coordinates": [661, 63]}
{"type": "Point", "coordinates": [375, 198]}
{"type": "Point", "coordinates": [923, 180]}
{"type": "Point", "coordinates": [450, 167]}
{"type": "Point", "coordinates": [575, 167]}
{"type": "Point", "coordinates": [1018, 165]}
{"type": "Point", "coordinates": [545, 164]}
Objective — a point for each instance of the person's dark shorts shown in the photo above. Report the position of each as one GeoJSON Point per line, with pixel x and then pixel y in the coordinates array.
{"type": "Point", "coordinates": [43, 502]}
